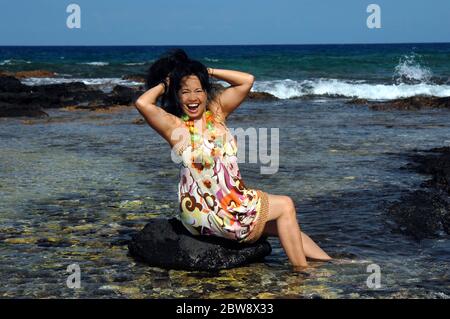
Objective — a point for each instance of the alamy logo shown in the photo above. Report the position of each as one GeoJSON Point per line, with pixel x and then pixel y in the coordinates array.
{"type": "Point", "coordinates": [374, 280]}
{"type": "Point", "coordinates": [73, 280]}
{"type": "Point", "coordinates": [374, 20]}
{"type": "Point", "coordinates": [74, 19]}
{"type": "Point", "coordinates": [260, 146]}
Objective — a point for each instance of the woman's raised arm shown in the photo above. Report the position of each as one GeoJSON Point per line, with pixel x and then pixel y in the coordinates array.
{"type": "Point", "coordinates": [233, 96]}
{"type": "Point", "coordinates": [161, 121]}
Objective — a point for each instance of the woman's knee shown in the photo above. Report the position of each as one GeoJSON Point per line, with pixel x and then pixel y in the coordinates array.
{"type": "Point", "coordinates": [289, 207]}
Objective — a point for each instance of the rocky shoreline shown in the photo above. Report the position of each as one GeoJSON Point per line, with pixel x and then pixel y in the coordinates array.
{"type": "Point", "coordinates": [18, 99]}
{"type": "Point", "coordinates": [425, 213]}
{"type": "Point", "coordinates": [407, 104]}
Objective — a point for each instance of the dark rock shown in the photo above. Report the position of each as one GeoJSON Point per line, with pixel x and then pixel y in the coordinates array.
{"type": "Point", "coordinates": [426, 213]}
{"type": "Point", "coordinates": [413, 103]}
{"type": "Point", "coordinates": [437, 164]}
{"type": "Point", "coordinates": [28, 74]}
{"type": "Point", "coordinates": [123, 95]}
{"type": "Point", "coordinates": [139, 121]}
{"type": "Point", "coordinates": [167, 244]}
{"type": "Point", "coordinates": [421, 214]}
{"type": "Point", "coordinates": [27, 98]}
{"type": "Point", "coordinates": [357, 102]}
{"type": "Point", "coordinates": [17, 99]}
{"type": "Point", "coordinates": [261, 96]}
{"type": "Point", "coordinates": [65, 94]}
{"type": "Point", "coordinates": [11, 84]}
{"type": "Point", "coordinates": [34, 74]}
{"type": "Point", "coordinates": [12, 110]}
{"type": "Point", "coordinates": [135, 77]}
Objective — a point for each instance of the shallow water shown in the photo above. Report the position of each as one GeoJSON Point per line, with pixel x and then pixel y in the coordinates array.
{"type": "Point", "coordinates": [76, 185]}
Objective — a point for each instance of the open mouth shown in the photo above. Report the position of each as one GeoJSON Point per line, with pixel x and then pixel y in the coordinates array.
{"type": "Point", "coordinates": [193, 107]}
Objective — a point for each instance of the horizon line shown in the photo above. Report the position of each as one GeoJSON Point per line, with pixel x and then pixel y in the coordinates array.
{"type": "Point", "coordinates": [194, 45]}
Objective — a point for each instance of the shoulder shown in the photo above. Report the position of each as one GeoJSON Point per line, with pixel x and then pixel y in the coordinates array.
{"type": "Point", "coordinates": [216, 109]}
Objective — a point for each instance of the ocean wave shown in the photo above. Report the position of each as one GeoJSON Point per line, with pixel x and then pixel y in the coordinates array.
{"type": "Point", "coordinates": [13, 61]}
{"type": "Point", "coordinates": [410, 70]}
{"type": "Point", "coordinates": [135, 63]}
{"type": "Point", "coordinates": [285, 89]}
{"type": "Point", "coordinates": [211, 59]}
{"type": "Point", "coordinates": [105, 84]}
{"type": "Point", "coordinates": [100, 63]}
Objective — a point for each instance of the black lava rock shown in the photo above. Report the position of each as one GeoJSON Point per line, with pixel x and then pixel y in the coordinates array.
{"type": "Point", "coordinates": [426, 213]}
{"type": "Point", "coordinates": [167, 244]}
{"type": "Point", "coordinates": [437, 164]}
{"type": "Point", "coordinates": [421, 214]}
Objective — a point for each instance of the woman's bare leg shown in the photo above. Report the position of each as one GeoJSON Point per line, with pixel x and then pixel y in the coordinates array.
{"type": "Point", "coordinates": [311, 249]}
{"type": "Point", "coordinates": [282, 211]}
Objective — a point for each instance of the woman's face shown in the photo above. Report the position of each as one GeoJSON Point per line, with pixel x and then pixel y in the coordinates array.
{"type": "Point", "coordinates": [192, 97]}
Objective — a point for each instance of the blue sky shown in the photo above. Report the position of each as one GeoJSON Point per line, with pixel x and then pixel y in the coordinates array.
{"type": "Point", "coordinates": [203, 22]}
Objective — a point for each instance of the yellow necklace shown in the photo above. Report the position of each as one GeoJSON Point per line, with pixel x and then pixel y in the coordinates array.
{"type": "Point", "coordinates": [195, 137]}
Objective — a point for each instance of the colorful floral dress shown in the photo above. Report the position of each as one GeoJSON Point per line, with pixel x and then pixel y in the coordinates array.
{"type": "Point", "coordinates": [213, 198]}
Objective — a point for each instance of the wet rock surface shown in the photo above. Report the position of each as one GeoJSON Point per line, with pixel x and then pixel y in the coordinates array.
{"type": "Point", "coordinates": [407, 104]}
{"type": "Point", "coordinates": [426, 213]}
{"type": "Point", "coordinates": [28, 74]}
{"type": "Point", "coordinates": [413, 103]}
{"type": "Point", "coordinates": [167, 244]}
{"type": "Point", "coordinates": [17, 99]}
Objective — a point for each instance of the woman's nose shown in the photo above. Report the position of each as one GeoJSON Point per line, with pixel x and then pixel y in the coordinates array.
{"type": "Point", "coordinates": [193, 97]}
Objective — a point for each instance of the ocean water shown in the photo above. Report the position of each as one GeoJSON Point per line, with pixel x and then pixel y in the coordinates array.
{"type": "Point", "coordinates": [76, 185]}
{"type": "Point", "coordinates": [364, 71]}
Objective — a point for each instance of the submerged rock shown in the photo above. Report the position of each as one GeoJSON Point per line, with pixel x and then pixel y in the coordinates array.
{"type": "Point", "coordinates": [412, 103]}
{"type": "Point", "coordinates": [167, 244]}
{"type": "Point", "coordinates": [421, 214]}
{"type": "Point", "coordinates": [358, 102]}
{"type": "Point", "coordinates": [426, 213]}
{"type": "Point", "coordinates": [437, 164]}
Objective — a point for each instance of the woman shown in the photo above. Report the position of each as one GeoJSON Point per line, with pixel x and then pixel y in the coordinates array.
{"type": "Point", "coordinates": [213, 198]}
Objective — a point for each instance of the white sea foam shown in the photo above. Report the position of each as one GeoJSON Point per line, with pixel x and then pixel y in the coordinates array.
{"type": "Point", "coordinates": [12, 62]}
{"type": "Point", "coordinates": [135, 63]}
{"type": "Point", "coordinates": [211, 59]}
{"type": "Point", "coordinates": [100, 63]}
{"type": "Point", "coordinates": [285, 89]}
{"type": "Point", "coordinates": [410, 70]}
{"type": "Point", "coordinates": [105, 84]}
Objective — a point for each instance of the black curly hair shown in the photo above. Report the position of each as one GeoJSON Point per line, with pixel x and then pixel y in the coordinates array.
{"type": "Point", "coordinates": [176, 64]}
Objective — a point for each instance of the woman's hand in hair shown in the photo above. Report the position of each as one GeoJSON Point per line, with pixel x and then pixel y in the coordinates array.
{"type": "Point", "coordinates": [166, 83]}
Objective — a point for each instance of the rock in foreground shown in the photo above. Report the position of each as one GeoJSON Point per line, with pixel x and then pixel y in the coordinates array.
{"type": "Point", "coordinates": [167, 244]}
{"type": "Point", "coordinates": [421, 214]}
{"type": "Point", "coordinates": [426, 213]}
